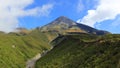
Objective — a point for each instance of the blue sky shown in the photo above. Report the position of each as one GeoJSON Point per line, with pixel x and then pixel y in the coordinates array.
{"type": "Point", "coordinates": [100, 14]}
{"type": "Point", "coordinates": [68, 8]}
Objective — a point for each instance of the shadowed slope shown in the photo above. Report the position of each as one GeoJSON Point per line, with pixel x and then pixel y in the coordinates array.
{"type": "Point", "coordinates": [84, 51]}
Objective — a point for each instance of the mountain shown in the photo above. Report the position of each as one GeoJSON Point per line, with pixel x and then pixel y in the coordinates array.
{"type": "Point", "coordinates": [83, 51]}
{"type": "Point", "coordinates": [69, 50]}
{"type": "Point", "coordinates": [66, 25]}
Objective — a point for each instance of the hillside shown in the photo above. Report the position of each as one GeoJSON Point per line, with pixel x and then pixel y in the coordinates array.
{"type": "Point", "coordinates": [83, 51]}
{"type": "Point", "coordinates": [16, 49]}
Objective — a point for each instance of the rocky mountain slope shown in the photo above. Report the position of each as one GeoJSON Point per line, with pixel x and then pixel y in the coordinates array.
{"type": "Point", "coordinates": [65, 25]}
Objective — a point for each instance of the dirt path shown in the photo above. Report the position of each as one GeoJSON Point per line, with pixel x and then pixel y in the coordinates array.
{"type": "Point", "coordinates": [31, 62]}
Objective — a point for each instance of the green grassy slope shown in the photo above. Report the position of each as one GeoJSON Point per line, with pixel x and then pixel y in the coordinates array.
{"type": "Point", "coordinates": [84, 51]}
{"type": "Point", "coordinates": [50, 35]}
{"type": "Point", "coordinates": [16, 49]}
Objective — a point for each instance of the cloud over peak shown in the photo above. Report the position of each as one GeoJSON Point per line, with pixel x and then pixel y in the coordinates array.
{"type": "Point", "coordinates": [11, 10]}
{"type": "Point", "coordinates": [105, 10]}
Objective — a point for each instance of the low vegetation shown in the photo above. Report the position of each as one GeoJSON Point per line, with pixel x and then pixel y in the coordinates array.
{"type": "Point", "coordinates": [16, 49]}
{"type": "Point", "coordinates": [83, 51]}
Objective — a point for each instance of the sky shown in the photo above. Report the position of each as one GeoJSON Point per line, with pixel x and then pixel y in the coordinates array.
{"type": "Point", "coordinates": [99, 14]}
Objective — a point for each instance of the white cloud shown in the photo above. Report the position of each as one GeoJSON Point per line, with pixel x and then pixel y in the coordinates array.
{"type": "Point", "coordinates": [79, 20]}
{"type": "Point", "coordinates": [11, 10]}
{"type": "Point", "coordinates": [105, 10]}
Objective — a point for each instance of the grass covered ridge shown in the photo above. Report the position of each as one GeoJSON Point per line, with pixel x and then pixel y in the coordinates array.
{"type": "Point", "coordinates": [84, 51]}
{"type": "Point", "coordinates": [16, 49]}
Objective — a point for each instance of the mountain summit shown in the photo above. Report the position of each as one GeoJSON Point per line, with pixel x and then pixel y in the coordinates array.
{"type": "Point", "coordinates": [65, 25]}
{"type": "Point", "coordinates": [63, 20]}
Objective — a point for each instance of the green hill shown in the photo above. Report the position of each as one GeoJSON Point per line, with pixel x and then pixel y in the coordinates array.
{"type": "Point", "coordinates": [83, 51]}
{"type": "Point", "coordinates": [16, 48]}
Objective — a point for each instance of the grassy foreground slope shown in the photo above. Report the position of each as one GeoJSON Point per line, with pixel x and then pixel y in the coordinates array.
{"type": "Point", "coordinates": [16, 49]}
{"type": "Point", "coordinates": [84, 51]}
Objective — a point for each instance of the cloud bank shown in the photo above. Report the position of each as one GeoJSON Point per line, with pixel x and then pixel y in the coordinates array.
{"type": "Point", "coordinates": [11, 10]}
{"type": "Point", "coordinates": [105, 10]}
